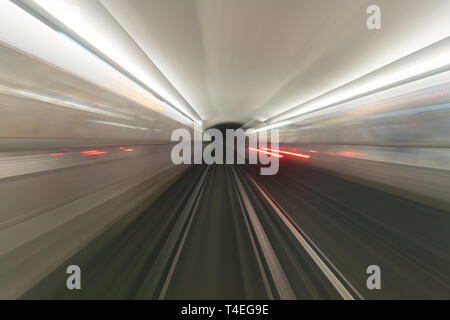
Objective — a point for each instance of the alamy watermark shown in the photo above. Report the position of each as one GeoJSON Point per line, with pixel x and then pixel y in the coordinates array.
{"type": "Point", "coordinates": [73, 281]}
{"type": "Point", "coordinates": [229, 150]}
{"type": "Point", "coordinates": [373, 21]}
{"type": "Point", "coordinates": [374, 279]}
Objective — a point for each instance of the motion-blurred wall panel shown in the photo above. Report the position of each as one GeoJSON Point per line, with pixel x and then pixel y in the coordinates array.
{"type": "Point", "coordinates": [38, 100]}
{"type": "Point", "coordinates": [398, 139]}
{"type": "Point", "coordinates": [74, 159]}
{"type": "Point", "coordinates": [48, 215]}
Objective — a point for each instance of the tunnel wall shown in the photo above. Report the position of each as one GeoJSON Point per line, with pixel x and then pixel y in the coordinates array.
{"type": "Point", "coordinates": [52, 213]}
{"type": "Point", "coordinates": [396, 140]}
{"type": "Point", "coordinates": [63, 106]}
{"type": "Point", "coordinates": [74, 159]}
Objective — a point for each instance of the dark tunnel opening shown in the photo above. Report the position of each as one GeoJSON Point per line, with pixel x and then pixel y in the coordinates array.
{"type": "Point", "coordinates": [223, 127]}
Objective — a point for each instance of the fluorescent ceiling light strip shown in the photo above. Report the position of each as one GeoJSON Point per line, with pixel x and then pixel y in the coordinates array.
{"type": "Point", "coordinates": [432, 85]}
{"type": "Point", "coordinates": [419, 63]}
{"type": "Point", "coordinates": [115, 124]}
{"type": "Point", "coordinates": [78, 39]}
{"type": "Point", "coordinates": [57, 102]}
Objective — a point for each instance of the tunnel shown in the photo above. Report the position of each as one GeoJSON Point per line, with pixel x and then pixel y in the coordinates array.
{"type": "Point", "coordinates": [224, 150]}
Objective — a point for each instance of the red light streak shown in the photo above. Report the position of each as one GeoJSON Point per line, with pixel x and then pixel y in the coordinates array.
{"type": "Point", "coordinates": [313, 151]}
{"type": "Point", "coordinates": [300, 155]}
{"type": "Point", "coordinates": [267, 152]}
{"type": "Point", "coordinates": [93, 152]}
{"type": "Point", "coordinates": [351, 154]}
{"type": "Point", "coordinates": [128, 150]}
{"type": "Point", "coordinates": [65, 149]}
{"type": "Point", "coordinates": [56, 154]}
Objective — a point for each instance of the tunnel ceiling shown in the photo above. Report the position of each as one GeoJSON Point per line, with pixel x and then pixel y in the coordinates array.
{"type": "Point", "coordinates": [244, 61]}
{"type": "Point", "coordinates": [238, 60]}
{"type": "Point", "coordinates": [248, 61]}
